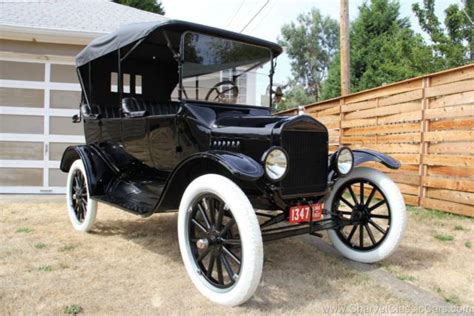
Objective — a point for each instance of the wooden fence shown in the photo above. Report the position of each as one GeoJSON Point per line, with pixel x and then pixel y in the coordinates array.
{"type": "Point", "coordinates": [426, 123]}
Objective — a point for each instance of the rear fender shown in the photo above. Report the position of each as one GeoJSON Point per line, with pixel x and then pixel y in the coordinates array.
{"type": "Point", "coordinates": [98, 171]}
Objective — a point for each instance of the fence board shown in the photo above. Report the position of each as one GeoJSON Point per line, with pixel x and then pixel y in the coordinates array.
{"type": "Point", "coordinates": [427, 123]}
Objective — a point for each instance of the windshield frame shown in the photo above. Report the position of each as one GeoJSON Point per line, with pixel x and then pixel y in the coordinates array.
{"type": "Point", "coordinates": [181, 63]}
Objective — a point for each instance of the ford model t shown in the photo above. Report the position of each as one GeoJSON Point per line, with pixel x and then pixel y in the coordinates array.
{"type": "Point", "coordinates": [171, 122]}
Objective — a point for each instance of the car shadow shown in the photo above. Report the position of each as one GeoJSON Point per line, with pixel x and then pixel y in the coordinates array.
{"type": "Point", "coordinates": [295, 272]}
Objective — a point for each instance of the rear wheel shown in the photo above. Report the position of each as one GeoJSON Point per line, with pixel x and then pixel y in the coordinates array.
{"type": "Point", "coordinates": [82, 209]}
{"type": "Point", "coordinates": [374, 205]}
{"type": "Point", "coordinates": [220, 240]}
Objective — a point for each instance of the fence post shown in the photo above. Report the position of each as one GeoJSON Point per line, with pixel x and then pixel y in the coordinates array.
{"type": "Point", "coordinates": [424, 127]}
{"type": "Point", "coordinates": [341, 119]}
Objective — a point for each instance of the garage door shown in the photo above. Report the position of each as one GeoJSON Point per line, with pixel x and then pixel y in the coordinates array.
{"type": "Point", "coordinates": [37, 100]}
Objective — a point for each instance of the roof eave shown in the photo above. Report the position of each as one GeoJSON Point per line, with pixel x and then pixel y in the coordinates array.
{"type": "Point", "coordinates": [46, 35]}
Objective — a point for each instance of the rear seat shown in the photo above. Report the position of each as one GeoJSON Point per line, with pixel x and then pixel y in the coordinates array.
{"type": "Point", "coordinates": [95, 111]}
{"type": "Point", "coordinates": [149, 106]}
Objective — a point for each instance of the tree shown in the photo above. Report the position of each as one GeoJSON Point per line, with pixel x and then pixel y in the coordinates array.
{"type": "Point", "coordinates": [454, 43]}
{"type": "Point", "coordinates": [295, 94]}
{"type": "Point", "coordinates": [146, 5]}
{"type": "Point", "coordinates": [384, 49]}
{"type": "Point", "coordinates": [310, 43]}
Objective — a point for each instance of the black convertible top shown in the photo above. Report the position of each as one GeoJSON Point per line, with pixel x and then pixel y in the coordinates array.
{"type": "Point", "coordinates": [134, 32]}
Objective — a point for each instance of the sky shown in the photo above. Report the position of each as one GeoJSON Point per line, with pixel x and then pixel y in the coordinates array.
{"type": "Point", "coordinates": [233, 15]}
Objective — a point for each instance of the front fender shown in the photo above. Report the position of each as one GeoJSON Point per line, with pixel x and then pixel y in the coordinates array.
{"type": "Point", "coordinates": [238, 167]}
{"type": "Point", "coordinates": [364, 155]}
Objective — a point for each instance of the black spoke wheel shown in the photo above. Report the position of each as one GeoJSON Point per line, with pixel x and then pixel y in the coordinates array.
{"type": "Point", "coordinates": [215, 241]}
{"type": "Point", "coordinates": [79, 195]}
{"type": "Point", "coordinates": [361, 202]}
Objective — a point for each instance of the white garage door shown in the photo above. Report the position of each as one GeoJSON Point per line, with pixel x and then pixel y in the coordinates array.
{"type": "Point", "coordinates": [37, 100]}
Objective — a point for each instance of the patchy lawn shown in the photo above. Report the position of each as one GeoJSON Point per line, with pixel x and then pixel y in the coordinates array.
{"type": "Point", "coordinates": [129, 265]}
{"type": "Point", "coordinates": [436, 255]}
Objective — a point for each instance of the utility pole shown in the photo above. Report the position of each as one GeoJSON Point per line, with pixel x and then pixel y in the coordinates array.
{"type": "Point", "coordinates": [344, 48]}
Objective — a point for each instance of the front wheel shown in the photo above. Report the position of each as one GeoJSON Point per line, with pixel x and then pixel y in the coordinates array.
{"type": "Point", "coordinates": [220, 240]}
{"type": "Point", "coordinates": [373, 204]}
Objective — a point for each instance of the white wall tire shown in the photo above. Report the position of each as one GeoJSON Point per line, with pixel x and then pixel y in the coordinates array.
{"type": "Point", "coordinates": [82, 209]}
{"type": "Point", "coordinates": [395, 218]}
{"type": "Point", "coordinates": [203, 191]}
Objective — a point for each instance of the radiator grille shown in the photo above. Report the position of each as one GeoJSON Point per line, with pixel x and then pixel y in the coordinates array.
{"type": "Point", "coordinates": [308, 162]}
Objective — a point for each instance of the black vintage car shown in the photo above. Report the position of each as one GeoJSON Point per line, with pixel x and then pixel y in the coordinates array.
{"type": "Point", "coordinates": [170, 123]}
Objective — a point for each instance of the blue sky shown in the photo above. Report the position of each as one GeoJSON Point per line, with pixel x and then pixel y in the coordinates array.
{"type": "Point", "coordinates": [234, 14]}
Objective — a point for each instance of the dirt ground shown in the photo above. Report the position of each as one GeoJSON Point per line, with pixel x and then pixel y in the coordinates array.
{"type": "Point", "coordinates": [132, 266]}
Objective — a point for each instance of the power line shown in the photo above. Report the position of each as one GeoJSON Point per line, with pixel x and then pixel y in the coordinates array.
{"type": "Point", "coordinates": [270, 9]}
{"type": "Point", "coordinates": [256, 14]}
{"type": "Point", "coordinates": [236, 12]}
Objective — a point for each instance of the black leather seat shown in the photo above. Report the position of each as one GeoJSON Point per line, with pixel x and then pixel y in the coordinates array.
{"type": "Point", "coordinates": [149, 107]}
{"type": "Point", "coordinates": [99, 112]}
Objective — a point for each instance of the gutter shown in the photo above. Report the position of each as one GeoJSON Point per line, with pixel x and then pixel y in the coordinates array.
{"type": "Point", "coordinates": [46, 35]}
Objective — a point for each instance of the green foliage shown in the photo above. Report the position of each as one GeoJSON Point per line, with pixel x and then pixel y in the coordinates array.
{"type": "Point", "coordinates": [384, 49]}
{"type": "Point", "coordinates": [468, 244]}
{"type": "Point", "coordinates": [452, 44]}
{"type": "Point", "coordinates": [295, 95]}
{"type": "Point", "coordinates": [310, 43]}
{"type": "Point", "coordinates": [40, 245]}
{"type": "Point", "coordinates": [72, 309]}
{"type": "Point", "coordinates": [406, 277]}
{"type": "Point", "coordinates": [25, 230]}
{"type": "Point", "coordinates": [444, 237]}
{"type": "Point", "coordinates": [146, 5]}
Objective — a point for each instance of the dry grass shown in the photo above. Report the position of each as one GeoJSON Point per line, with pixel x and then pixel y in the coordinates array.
{"type": "Point", "coordinates": [434, 256]}
{"type": "Point", "coordinates": [129, 265]}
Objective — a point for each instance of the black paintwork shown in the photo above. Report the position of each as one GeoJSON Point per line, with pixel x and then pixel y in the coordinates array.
{"type": "Point", "coordinates": [140, 155]}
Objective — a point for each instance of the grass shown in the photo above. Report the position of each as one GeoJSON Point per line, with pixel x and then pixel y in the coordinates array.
{"type": "Point", "coordinates": [453, 299]}
{"type": "Point", "coordinates": [406, 277]}
{"type": "Point", "coordinates": [25, 230]}
{"type": "Point", "coordinates": [458, 227]}
{"type": "Point", "coordinates": [444, 237]}
{"type": "Point", "coordinates": [72, 309]}
{"type": "Point", "coordinates": [468, 244]}
{"type": "Point", "coordinates": [67, 248]}
{"type": "Point", "coordinates": [43, 268]}
{"type": "Point", "coordinates": [40, 245]}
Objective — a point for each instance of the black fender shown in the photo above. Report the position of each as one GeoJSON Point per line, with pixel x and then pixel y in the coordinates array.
{"type": "Point", "coordinates": [98, 170]}
{"type": "Point", "coordinates": [364, 155]}
{"type": "Point", "coordinates": [236, 166]}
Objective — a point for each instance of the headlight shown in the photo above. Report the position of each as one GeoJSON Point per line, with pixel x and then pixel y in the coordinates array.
{"type": "Point", "coordinates": [276, 163]}
{"type": "Point", "coordinates": [344, 161]}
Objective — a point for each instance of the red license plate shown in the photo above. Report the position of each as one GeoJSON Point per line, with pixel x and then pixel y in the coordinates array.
{"type": "Point", "coordinates": [301, 213]}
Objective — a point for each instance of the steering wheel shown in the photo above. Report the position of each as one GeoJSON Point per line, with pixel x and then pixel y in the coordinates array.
{"type": "Point", "coordinates": [221, 96]}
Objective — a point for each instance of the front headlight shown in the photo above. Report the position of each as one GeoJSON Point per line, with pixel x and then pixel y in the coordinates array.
{"type": "Point", "coordinates": [344, 161]}
{"type": "Point", "coordinates": [276, 163]}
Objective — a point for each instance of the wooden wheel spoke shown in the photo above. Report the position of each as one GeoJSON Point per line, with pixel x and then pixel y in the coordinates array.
{"type": "Point", "coordinates": [203, 255]}
{"type": "Point", "coordinates": [369, 199]}
{"type": "Point", "coordinates": [371, 235]}
{"type": "Point", "coordinates": [233, 242]}
{"type": "Point", "coordinates": [204, 215]}
{"type": "Point", "coordinates": [210, 266]}
{"type": "Point", "coordinates": [377, 205]}
{"type": "Point", "coordinates": [353, 195]}
{"type": "Point", "coordinates": [347, 202]}
{"type": "Point", "coordinates": [220, 275]}
{"type": "Point", "coordinates": [227, 266]}
{"type": "Point", "coordinates": [361, 193]}
{"type": "Point", "coordinates": [361, 235]}
{"type": "Point", "coordinates": [377, 226]}
{"type": "Point", "coordinates": [232, 255]}
{"type": "Point", "coordinates": [379, 216]}
{"type": "Point", "coordinates": [227, 226]}
{"type": "Point", "coordinates": [195, 222]}
{"type": "Point", "coordinates": [351, 234]}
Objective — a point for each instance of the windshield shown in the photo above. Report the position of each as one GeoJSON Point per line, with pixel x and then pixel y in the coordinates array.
{"type": "Point", "coordinates": [224, 71]}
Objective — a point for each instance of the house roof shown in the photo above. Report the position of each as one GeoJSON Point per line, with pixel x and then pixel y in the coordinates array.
{"type": "Point", "coordinates": [56, 20]}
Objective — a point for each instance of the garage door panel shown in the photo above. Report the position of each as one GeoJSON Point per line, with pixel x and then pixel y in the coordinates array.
{"type": "Point", "coordinates": [21, 150]}
{"type": "Point", "coordinates": [56, 150]}
{"type": "Point", "coordinates": [21, 177]}
{"type": "Point", "coordinates": [63, 73]}
{"type": "Point", "coordinates": [65, 99]}
{"type": "Point", "coordinates": [13, 70]}
{"type": "Point", "coordinates": [57, 178]}
{"type": "Point", "coordinates": [21, 97]}
{"type": "Point", "coordinates": [64, 126]}
{"type": "Point", "coordinates": [24, 124]}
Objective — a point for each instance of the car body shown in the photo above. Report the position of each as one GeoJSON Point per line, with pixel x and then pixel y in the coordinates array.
{"type": "Point", "coordinates": [165, 106]}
